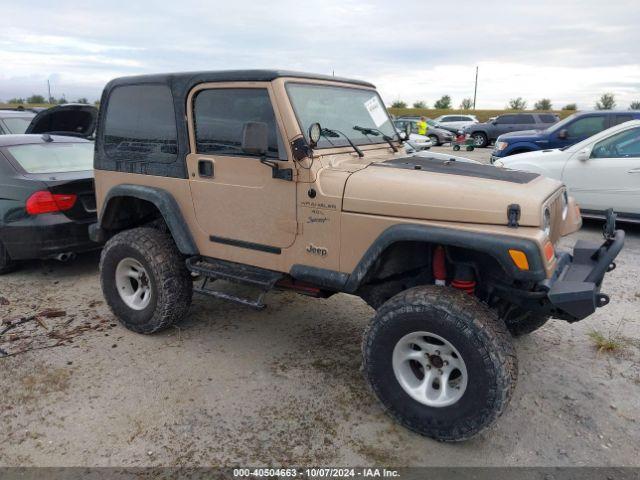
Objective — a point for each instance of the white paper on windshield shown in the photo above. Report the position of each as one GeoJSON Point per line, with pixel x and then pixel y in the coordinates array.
{"type": "Point", "coordinates": [376, 111]}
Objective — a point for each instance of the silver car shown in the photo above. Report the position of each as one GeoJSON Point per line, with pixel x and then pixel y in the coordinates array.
{"type": "Point", "coordinates": [437, 135]}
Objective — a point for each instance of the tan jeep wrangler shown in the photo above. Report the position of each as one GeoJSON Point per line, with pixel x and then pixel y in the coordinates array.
{"type": "Point", "coordinates": [284, 180]}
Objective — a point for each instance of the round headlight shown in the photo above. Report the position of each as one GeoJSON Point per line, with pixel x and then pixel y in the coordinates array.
{"type": "Point", "coordinates": [546, 222]}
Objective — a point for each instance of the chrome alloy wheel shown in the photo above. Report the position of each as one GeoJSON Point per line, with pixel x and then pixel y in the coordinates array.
{"type": "Point", "coordinates": [429, 369]}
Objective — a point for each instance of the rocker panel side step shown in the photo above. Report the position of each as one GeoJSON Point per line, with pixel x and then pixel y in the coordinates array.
{"type": "Point", "coordinates": [234, 272]}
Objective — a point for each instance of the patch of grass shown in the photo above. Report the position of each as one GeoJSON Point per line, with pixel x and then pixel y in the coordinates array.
{"type": "Point", "coordinates": [608, 343]}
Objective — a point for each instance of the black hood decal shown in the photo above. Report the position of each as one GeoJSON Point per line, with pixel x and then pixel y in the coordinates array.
{"type": "Point", "coordinates": [453, 167]}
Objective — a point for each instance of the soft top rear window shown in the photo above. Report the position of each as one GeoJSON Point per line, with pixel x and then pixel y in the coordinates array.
{"type": "Point", "coordinates": [140, 124]}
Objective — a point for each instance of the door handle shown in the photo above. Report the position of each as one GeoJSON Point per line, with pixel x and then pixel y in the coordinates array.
{"type": "Point", "coordinates": [205, 168]}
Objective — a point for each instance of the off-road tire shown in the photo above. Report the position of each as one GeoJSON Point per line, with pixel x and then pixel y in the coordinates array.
{"type": "Point", "coordinates": [171, 283]}
{"type": "Point", "coordinates": [482, 340]}
{"type": "Point", "coordinates": [6, 264]}
{"type": "Point", "coordinates": [480, 140]}
{"type": "Point", "coordinates": [525, 323]}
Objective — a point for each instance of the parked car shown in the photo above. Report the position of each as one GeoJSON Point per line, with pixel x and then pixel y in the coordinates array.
{"type": "Point", "coordinates": [565, 133]}
{"type": "Point", "coordinates": [244, 176]}
{"type": "Point", "coordinates": [48, 198]}
{"type": "Point", "coordinates": [485, 133]}
{"type": "Point", "coordinates": [601, 172]}
{"type": "Point", "coordinates": [456, 122]}
{"type": "Point", "coordinates": [417, 143]}
{"type": "Point", "coordinates": [75, 119]}
{"type": "Point", "coordinates": [437, 135]}
{"type": "Point", "coordinates": [14, 121]}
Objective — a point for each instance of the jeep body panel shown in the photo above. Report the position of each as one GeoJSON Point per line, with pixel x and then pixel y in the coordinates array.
{"type": "Point", "coordinates": [332, 211]}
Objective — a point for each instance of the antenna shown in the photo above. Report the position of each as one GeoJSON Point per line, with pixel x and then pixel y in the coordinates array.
{"type": "Point", "coordinates": [49, 90]}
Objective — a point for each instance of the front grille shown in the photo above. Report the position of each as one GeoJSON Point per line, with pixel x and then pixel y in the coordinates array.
{"type": "Point", "coordinates": [556, 205]}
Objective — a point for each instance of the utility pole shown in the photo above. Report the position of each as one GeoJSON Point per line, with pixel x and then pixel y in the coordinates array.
{"type": "Point", "coordinates": [49, 90]}
{"type": "Point", "coordinates": [475, 89]}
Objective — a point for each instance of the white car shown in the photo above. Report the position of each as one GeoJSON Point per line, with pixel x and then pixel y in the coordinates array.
{"type": "Point", "coordinates": [419, 142]}
{"type": "Point", "coordinates": [457, 122]}
{"type": "Point", "coordinates": [601, 172]}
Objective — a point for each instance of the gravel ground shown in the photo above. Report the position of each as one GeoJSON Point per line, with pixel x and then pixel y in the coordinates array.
{"type": "Point", "coordinates": [233, 386]}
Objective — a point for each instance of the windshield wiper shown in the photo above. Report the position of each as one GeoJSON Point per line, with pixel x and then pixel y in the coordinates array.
{"type": "Point", "coordinates": [327, 132]}
{"type": "Point", "coordinates": [375, 132]}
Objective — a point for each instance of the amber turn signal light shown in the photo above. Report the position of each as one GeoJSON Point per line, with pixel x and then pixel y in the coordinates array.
{"type": "Point", "coordinates": [520, 259]}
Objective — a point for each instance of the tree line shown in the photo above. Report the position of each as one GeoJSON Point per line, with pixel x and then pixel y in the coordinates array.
{"type": "Point", "coordinates": [40, 99]}
{"type": "Point", "coordinates": [607, 101]}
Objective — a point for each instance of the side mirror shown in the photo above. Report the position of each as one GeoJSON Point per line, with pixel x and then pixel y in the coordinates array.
{"type": "Point", "coordinates": [494, 122]}
{"type": "Point", "coordinates": [402, 135]}
{"type": "Point", "coordinates": [563, 134]}
{"type": "Point", "coordinates": [583, 155]}
{"type": "Point", "coordinates": [255, 138]}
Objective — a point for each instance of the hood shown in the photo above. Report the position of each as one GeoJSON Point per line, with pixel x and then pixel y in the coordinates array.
{"type": "Point", "coordinates": [77, 120]}
{"type": "Point", "coordinates": [522, 135]}
{"type": "Point", "coordinates": [514, 161]}
{"type": "Point", "coordinates": [444, 190]}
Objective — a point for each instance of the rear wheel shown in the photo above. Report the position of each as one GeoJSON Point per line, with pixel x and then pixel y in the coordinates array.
{"type": "Point", "coordinates": [440, 362]}
{"type": "Point", "coordinates": [145, 280]}
{"type": "Point", "coordinates": [6, 264]}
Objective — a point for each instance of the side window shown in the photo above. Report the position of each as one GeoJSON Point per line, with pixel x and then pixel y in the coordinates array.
{"type": "Point", "coordinates": [220, 116]}
{"type": "Point", "coordinates": [448, 119]}
{"type": "Point", "coordinates": [587, 126]}
{"type": "Point", "coordinates": [621, 119]}
{"type": "Point", "coordinates": [140, 125]}
{"type": "Point", "coordinates": [523, 119]}
{"type": "Point", "coordinates": [546, 118]}
{"type": "Point", "coordinates": [505, 119]}
{"type": "Point", "coordinates": [621, 145]}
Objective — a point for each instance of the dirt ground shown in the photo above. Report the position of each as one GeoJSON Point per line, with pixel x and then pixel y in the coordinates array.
{"type": "Point", "coordinates": [232, 386]}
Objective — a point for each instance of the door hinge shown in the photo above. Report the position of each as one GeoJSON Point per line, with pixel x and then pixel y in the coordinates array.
{"type": "Point", "coordinates": [277, 172]}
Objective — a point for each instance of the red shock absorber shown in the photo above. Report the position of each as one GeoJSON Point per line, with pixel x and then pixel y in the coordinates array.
{"type": "Point", "coordinates": [464, 279]}
{"type": "Point", "coordinates": [439, 266]}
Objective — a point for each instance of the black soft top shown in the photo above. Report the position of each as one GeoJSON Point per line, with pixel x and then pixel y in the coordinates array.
{"type": "Point", "coordinates": [186, 80]}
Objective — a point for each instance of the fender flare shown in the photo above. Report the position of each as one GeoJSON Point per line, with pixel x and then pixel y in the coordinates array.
{"type": "Point", "coordinates": [166, 205]}
{"type": "Point", "coordinates": [530, 147]}
{"type": "Point", "coordinates": [496, 246]}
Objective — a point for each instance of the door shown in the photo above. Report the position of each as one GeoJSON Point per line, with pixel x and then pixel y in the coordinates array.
{"type": "Point", "coordinates": [504, 124]}
{"type": "Point", "coordinates": [610, 176]}
{"type": "Point", "coordinates": [238, 200]}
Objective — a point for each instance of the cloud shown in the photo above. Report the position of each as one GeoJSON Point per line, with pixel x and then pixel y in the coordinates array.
{"type": "Point", "coordinates": [570, 51]}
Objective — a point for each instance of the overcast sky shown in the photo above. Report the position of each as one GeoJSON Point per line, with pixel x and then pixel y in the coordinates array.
{"type": "Point", "coordinates": [568, 51]}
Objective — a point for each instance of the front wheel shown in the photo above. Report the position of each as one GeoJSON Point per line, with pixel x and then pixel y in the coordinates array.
{"type": "Point", "coordinates": [440, 362]}
{"type": "Point", "coordinates": [434, 140]}
{"type": "Point", "coordinates": [480, 140]}
{"type": "Point", "coordinates": [145, 280]}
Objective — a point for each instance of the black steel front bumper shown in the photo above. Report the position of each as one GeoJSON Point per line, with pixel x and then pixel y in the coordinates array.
{"type": "Point", "coordinates": [574, 291]}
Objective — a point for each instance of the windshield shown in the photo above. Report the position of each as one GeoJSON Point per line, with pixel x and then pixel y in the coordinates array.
{"type": "Point", "coordinates": [16, 124]}
{"type": "Point", "coordinates": [560, 125]}
{"type": "Point", "coordinates": [340, 108]}
{"type": "Point", "coordinates": [53, 157]}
